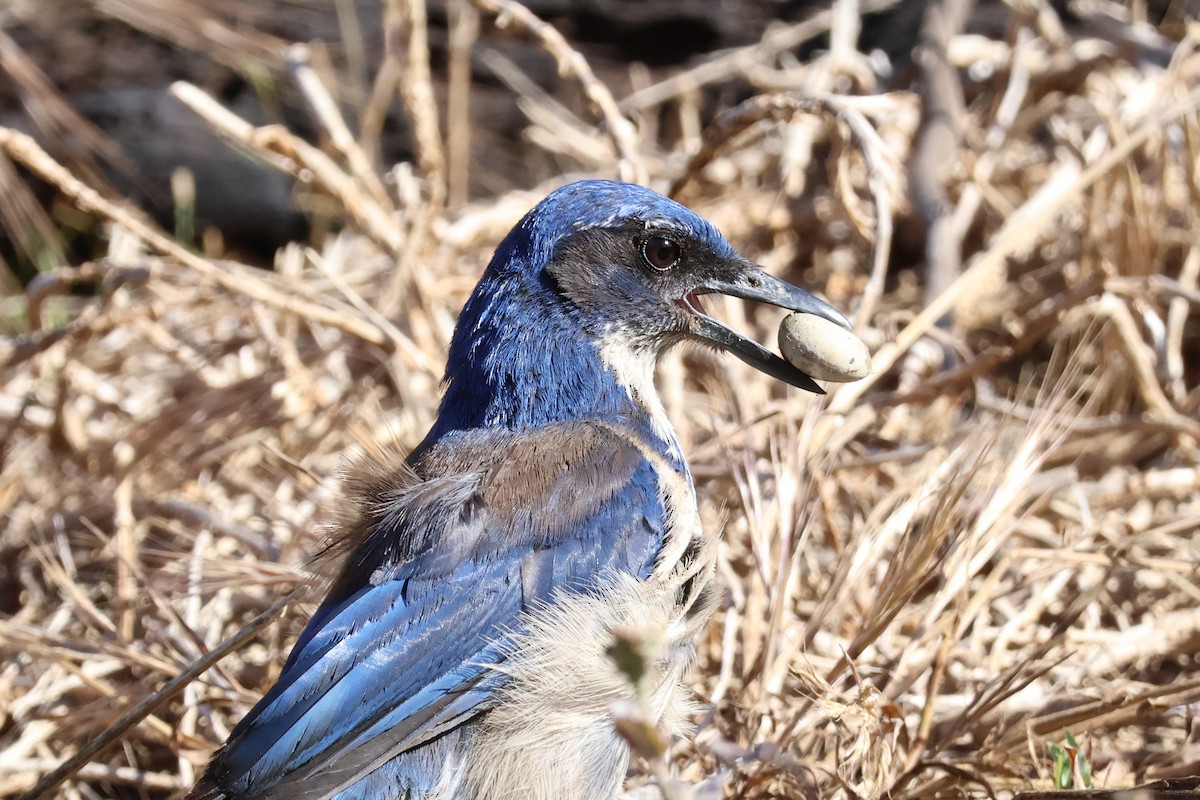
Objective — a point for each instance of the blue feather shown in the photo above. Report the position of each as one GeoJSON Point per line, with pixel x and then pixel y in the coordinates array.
{"type": "Point", "coordinates": [419, 629]}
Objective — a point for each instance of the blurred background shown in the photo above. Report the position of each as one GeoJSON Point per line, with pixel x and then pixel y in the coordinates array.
{"type": "Point", "coordinates": [234, 238]}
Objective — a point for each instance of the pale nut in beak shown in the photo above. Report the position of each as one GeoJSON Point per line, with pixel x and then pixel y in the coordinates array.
{"type": "Point", "coordinates": [822, 349]}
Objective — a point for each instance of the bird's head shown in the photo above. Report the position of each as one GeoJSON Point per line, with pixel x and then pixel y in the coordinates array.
{"type": "Point", "coordinates": [632, 266]}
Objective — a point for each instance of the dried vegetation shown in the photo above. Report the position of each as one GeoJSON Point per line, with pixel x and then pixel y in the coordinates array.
{"type": "Point", "coordinates": [932, 573]}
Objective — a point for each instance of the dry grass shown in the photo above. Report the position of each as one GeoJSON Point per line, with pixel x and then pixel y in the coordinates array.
{"type": "Point", "coordinates": [931, 574]}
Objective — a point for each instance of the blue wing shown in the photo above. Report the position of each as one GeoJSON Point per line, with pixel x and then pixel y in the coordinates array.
{"type": "Point", "coordinates": [399, 652]}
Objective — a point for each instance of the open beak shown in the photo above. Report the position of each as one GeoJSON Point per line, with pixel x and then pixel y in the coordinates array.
{"type": "Point", "coordinates": [752, 283]}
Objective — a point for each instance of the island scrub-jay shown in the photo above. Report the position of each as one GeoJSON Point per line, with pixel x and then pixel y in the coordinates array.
{"type": "Point", "coordinates": [461, 651]}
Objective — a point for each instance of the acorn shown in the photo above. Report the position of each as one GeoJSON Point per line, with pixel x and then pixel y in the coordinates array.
{"type": "Point", "coordinates": [822, 349]}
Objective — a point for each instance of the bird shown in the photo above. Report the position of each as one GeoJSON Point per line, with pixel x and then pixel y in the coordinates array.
{"type": "Point", "coordinates": [462, 651]}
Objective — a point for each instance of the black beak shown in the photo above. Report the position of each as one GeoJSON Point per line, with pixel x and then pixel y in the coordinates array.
{"type": "Point", "coordinates": [752, 283]}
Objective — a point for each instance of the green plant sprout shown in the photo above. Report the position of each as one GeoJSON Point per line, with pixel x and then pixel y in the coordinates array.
{"type": "Point", "coordinates": [1071, 767]}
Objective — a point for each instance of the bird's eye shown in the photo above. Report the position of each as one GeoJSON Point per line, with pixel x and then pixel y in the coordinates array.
{"type": "Point", "coordinates": [661, 253]}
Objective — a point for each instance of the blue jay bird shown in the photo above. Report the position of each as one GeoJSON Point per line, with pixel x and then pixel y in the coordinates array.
{"type": "Point", "coordinates": [461, 652]}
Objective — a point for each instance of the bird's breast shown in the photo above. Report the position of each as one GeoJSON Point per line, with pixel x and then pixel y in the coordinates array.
{"type": "Point", "coordinates": [686, 563]}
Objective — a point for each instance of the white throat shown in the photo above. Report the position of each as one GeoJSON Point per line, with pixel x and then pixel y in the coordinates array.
{"type": "Point", "coordinates": [634, 369]}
